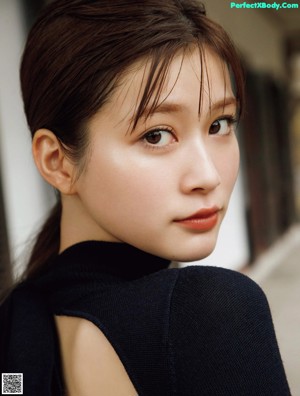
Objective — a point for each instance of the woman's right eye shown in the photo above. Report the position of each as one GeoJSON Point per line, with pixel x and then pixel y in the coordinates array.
{"type": "Point", "coordinates": [159, 137]}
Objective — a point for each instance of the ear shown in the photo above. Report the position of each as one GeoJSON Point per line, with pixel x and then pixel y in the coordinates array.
{"type": "Point", "coordinates": [52, 162]}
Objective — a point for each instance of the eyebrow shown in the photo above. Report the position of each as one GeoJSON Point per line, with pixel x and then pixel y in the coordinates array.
{"type": "Point", "coordinates": [222, 103]}
{"type": "Point", "coordinates": [168, 107]}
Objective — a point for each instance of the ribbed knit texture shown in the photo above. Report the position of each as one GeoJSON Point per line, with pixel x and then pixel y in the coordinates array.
{"type": "Point", "coordinates": [186, 332]}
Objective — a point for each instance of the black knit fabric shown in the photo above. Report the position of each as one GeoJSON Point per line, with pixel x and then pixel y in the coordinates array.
{"type": "Point", "coordinates": [186, 332]}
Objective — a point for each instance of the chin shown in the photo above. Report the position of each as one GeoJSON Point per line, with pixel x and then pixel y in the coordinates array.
{"type": "Point", "coordinates": [196, 257]}
{"type": "Point", "coordinates": [195, 254]}
{"type": "Point", "coordinates": [189, 246]}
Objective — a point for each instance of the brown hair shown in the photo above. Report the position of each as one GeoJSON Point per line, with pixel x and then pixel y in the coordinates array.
{"type": "Point", "coordinates": [75, 55]}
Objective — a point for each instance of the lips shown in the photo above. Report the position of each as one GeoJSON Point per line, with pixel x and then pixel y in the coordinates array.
{"type": "Point", "coordinates": [203, 220]}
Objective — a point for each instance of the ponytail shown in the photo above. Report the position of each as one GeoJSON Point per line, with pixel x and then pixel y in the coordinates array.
{"type": "Point", "coordinates": [47, 243]}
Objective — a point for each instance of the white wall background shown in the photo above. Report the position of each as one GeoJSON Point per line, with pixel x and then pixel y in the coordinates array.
{"type": "Point", "coordinates": [25, 197]}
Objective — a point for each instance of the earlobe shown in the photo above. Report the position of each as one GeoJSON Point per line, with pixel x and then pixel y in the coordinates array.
{"type": "Point", "coordinates": [53, 164]}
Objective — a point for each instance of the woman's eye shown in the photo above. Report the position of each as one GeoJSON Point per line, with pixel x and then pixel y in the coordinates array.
{"type": "Point", "coordinates": [159, 137]}
{"type": "Point", "coordinates": [222, 126]}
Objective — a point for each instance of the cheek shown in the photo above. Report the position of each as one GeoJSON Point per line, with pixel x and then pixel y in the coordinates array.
{"type": "Point", "coordinates": [228, 165]}
{"type": "Point", "coordinates": [234, 165]}
{"type": "Point", "coordinates": [126, 184]}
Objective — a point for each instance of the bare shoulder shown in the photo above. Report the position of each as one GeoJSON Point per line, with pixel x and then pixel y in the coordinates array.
{"type": "Point", "coordinates": [90, 362]}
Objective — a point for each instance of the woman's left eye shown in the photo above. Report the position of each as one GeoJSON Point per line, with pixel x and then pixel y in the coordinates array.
{"type": "Point", "coordinates": [159, 137]}
{"type": "Point", "coordinates": [223, 126]}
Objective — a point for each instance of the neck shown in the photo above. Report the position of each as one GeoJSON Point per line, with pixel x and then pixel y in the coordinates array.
{"type": "Point", "coordinates": [78, 226]}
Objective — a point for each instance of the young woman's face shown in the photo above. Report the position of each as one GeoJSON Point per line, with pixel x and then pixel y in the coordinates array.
{"type": "Point", "coordinates": [165, 187]}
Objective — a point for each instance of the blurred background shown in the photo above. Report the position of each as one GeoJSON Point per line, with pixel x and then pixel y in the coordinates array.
{"type": "Point", "coordinates": [261, 234]}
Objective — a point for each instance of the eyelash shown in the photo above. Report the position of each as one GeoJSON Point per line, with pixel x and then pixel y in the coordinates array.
{"type": "Point", "coordinates": [231, 120]}
{"type": "Point", "coordinates": [153, 131]}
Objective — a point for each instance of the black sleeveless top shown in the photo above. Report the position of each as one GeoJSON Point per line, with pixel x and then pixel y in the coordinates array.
{"type": "Point", "coordinates": [186, 332]}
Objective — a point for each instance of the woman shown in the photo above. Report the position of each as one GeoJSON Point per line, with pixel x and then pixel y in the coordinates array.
{"type": "Point", "coordinates": [132, 107]}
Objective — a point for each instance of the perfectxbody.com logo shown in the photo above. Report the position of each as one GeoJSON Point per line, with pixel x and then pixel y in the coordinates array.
{"type": "Point", "coordinates": [274, 5]}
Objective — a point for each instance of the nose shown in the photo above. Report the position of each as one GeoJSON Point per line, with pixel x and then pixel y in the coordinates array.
{"type": "Point", "coordinates": [199, 171]}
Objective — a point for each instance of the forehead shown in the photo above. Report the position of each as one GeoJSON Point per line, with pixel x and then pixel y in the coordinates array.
{"type": "Point", "coordinates": [188, 78]}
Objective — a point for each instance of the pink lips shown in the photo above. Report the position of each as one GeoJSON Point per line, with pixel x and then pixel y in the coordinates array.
{"type": "Point", "coordinates": [202, 220]}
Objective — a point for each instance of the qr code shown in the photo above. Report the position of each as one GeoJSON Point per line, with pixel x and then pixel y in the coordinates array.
{"type": "Point", "coordinates": [12, 384]}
